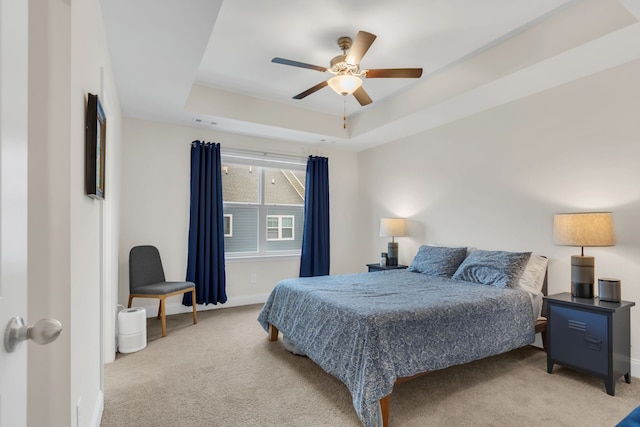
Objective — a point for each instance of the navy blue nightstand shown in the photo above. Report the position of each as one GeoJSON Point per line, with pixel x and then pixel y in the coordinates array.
{"type": "Point", "coordinates": [590, 336]}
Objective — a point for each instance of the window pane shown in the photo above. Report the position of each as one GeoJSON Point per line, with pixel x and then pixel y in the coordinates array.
{"type": "Point", "coordinates": [287, 222]}
{"type": "Point", "coordinates": [272, 221]}
{"type": "Point", "coordinates": [284, 186]}
{"type": "Point", "coordinates": [245, 229]}
{"type": "Point", "coordinates": [240, 183]}
{"type": "Point", "coordinates": [272, 234]}
{"type": "Point", "coordinates": [287, 233]}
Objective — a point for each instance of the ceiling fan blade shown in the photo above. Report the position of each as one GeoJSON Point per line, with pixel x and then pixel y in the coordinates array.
{"type": "Point", "coordinates": [409, 73]}
{"type": "Point", "coordinates": [311, 90]}
{"type": "Point", "coordinates": [298, 64]}
{"type": "Point", "coordinates": [362, 96]}
{"type": "Point", "coordinates": [360, 46]}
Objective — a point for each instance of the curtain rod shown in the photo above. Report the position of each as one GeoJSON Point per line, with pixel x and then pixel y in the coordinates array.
{"type": "Point", "coordinates": [269, 155]}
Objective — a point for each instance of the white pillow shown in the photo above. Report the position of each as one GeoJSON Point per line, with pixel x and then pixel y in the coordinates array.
{"type": "Point", "coordinates": [532, 278]}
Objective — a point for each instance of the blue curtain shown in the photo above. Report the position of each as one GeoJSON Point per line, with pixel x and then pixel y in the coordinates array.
{"type": "Point", "coordinates": [205, 263]}
{"type": "Point", "coordinates": [315, 236]}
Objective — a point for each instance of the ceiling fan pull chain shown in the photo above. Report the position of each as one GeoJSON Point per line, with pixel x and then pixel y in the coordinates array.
{"type": "Point", "coordinates": [344, 117]}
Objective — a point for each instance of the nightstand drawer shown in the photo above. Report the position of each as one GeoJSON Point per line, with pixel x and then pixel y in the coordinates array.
{"type": "Point", "coordinates": [579, 338]}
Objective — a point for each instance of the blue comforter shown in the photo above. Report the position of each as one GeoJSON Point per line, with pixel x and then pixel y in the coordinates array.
{"type": "Point", "coordinates": [370, 329]}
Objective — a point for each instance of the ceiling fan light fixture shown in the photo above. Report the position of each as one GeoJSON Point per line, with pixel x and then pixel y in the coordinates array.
{"type": "Point", "coordinates": [344, 84]}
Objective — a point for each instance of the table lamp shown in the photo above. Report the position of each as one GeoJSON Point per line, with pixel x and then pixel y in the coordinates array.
{"type": "Point", "coordinates": [583, 229]}
{"type": "Point", "coordinates": [393, 227]}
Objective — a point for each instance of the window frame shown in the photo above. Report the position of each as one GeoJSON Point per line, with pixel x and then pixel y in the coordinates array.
{"type": "Point", "coordinates": [230, 216]}
{"type": "Point", "coordinates": [280, 227]}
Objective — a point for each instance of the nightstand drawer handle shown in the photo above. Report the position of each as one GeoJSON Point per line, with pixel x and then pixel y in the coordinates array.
{"type": "Point", "coordinates": [593, 343]}
{"type": "Point", "coordinates": [578, 326]}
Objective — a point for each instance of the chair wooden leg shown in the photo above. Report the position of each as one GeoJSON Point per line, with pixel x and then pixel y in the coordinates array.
{"type": "Point", "coordinates": [193, 303]}
{"type": "Point", "coordinates": [130, 299]}
{"type": "Point", "coordinates": [163, 318]}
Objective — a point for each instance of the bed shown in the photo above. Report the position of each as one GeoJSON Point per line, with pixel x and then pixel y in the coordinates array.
{"type": "Point", "coordinates": [374, 330]}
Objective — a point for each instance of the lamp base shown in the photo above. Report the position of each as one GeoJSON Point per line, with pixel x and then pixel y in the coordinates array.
{"type": "Point", "coordinates": [582, 290]}
{"type": "Point", "coordinates": [392, 254]}
{"type": "Point", "coordinates": [582, 276]}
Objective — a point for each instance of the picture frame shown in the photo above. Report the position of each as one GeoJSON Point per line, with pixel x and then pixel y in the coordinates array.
{"type": "Point", "coordinates": [95, 148]}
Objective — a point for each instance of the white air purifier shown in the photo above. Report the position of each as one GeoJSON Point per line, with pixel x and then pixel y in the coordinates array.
{"type": "Point", "coordinates": [132, 329]}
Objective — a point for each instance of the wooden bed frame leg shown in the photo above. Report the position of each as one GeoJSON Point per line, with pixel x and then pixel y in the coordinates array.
{"type": "Point", "coordinates": [273, 333]}
{"type": "Point", "coordinates": [384, 408]}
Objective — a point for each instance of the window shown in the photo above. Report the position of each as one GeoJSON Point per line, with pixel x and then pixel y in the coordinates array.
{"type": "Point", "coordinates": [263, 205]}
{"type": "Point", "coordinates": [280, 227]}
{"type": "Point", "coordinates": [228, 225]}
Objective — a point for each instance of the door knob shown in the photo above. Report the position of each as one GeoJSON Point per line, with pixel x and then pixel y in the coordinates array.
{"type": "Point", "coordinates": [43, 332]}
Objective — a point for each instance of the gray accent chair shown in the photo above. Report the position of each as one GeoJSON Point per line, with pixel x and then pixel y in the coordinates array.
{"type": "Point", "coordinates": [146, 280]}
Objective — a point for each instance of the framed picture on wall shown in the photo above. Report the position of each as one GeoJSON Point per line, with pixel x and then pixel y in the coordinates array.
{"type": "Point", "coordinates": [95, 145]}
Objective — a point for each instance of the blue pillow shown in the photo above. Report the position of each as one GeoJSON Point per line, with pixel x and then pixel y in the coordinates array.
{"type": "Point", "coordinates": [495, 268]}
{"type": "Point", "coordinates": [437, 261]}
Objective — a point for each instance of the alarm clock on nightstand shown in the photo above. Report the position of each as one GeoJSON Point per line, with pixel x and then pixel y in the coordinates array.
{"type": "Point", "coordinates": [609, 289]}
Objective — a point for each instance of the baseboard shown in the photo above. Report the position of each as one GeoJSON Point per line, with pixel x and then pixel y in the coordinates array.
{"type": "Point", "coordinates": [97, 411]}
{"type": "Point", "coordinates": [177, 308]}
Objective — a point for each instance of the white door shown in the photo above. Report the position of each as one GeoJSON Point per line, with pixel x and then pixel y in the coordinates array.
{"type": "Point", "coordinates": [13, 204]}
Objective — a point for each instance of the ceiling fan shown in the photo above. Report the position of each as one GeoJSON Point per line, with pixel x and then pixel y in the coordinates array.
{"type": "Point", "coordinates": [347, 76]}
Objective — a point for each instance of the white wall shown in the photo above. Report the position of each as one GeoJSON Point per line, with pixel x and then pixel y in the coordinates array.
{"type": "Point", "coordinates": [49, 368]}
{"type": "Point", "coordinates": [155, 208]}
{"type": "Point", "coordinates": [495, 179]}
{"type": "Point", "coordinates": [68, 249]}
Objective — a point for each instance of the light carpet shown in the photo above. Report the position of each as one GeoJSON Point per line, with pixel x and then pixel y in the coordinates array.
{"type": "Point", "coordinates": [224, 372]}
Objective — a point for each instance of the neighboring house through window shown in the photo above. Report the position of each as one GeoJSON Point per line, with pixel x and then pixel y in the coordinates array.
{"type": "Point", "coordinates": [263, 205]}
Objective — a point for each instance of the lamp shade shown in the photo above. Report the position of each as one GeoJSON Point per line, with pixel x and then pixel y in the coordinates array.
{"type": "Point", "coordinates": [583, 229]}
{"type": "Point", "coordinates": [344, 84]}
{"type": "Point", "coordinates": [393, 227]}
